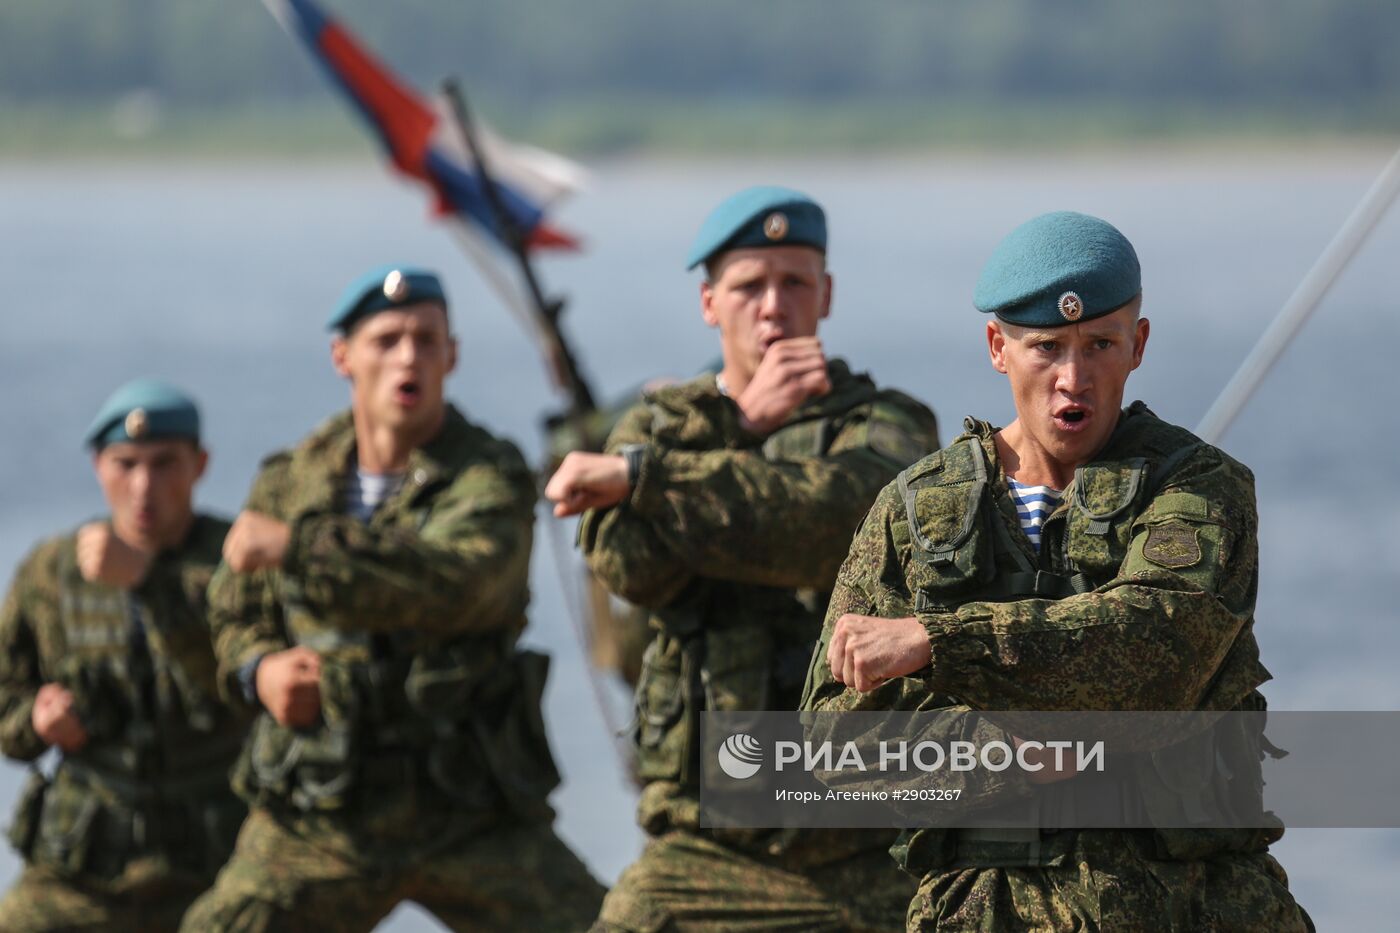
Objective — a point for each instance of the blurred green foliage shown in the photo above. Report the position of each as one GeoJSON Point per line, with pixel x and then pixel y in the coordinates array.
{"type": "Point", "coordinates": [613, 74]}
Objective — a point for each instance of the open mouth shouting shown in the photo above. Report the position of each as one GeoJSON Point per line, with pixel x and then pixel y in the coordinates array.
{"type": "Point", "coordinates": [408, 393]}
{"type": "Point", "coordinates": [1072, 418]}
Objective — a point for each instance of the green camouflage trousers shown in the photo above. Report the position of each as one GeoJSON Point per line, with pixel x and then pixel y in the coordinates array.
{"type": "Point", "coordinates": [686, 882]}
{"type": "Point", "coordinates": [43, 902]}
{"type": "Point", "coordinates": [508, 878]}
{"type": "Point", "coordinates": [1118, 891]}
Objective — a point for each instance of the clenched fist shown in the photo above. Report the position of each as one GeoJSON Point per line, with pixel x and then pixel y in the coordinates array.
{"type": "Point", "coordinates": [54, 719]}
{"type": "Point", "coordinates": [791, 372]}
{"type": "Point", "coordinates": [256, 542]}
{"type": "Point", "coordinates": [289, 686]}
{"type": "Point", "coordinates": [587, 481]}
{"type": "Point", "coordinates": [866, 651]}
{"type": "Point", "coordinates": [104, 558]}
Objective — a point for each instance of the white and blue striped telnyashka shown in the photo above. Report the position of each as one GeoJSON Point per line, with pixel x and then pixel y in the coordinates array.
{"type": "Point", "coordinates": [1033, 506]}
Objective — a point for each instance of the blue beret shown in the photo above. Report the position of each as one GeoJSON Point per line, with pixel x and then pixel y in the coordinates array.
{"type": "Point", "coordinates": [762, 216]}
{"type": "Point", "coordinates": [1059, 268]}
{"type": "Point", "coordinates": [383, 288]}
{"type": "Point", "coordinates": [144, 410]}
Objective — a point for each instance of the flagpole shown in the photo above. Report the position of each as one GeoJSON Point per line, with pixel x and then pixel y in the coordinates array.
{"type": "Point", "coordinates": [563, 363]}
{"type": "Point", "coordinates": [563, 367]}
{"type": "Point", "coordinates": [1303, 302]}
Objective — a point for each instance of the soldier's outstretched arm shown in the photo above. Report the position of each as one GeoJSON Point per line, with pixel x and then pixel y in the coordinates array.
{"type": "Point", "coordinates": [735, 515]}
{"type": "Point", "coordinates": [730, 513]}
{"type": "Point", "coordinates": [1153, 638]}
{"type": "Point", "coordinates": [464, 570]}
{"type": "Point", "coordinates": [19, 669]}
{"type": "Point", "coordinates": [623, 548]}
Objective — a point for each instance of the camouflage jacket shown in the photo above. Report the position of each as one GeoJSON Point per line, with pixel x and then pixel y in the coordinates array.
{"type": "Point", "coordinates": [1141, 597]}
{"type": "Point", "coordinates": [148, 794]}
{"type": "Point", "coordinates": [733, 541]}
{"type": "Point", "coordinates": [415, 614]}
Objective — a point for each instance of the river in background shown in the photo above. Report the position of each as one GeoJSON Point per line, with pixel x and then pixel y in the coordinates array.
{"type": "Point", "coordinates": [220, 277]}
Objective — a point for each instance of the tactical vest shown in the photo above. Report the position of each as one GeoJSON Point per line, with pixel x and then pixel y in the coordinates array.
{"type": "Point", "coordinates": [462, 718]}
{"type": "Point", "coordinates": [701, 659]}
{"type": "Point", "coordinates": [966, 547]}
{"type": "Point", "coordinates": [153, 776]}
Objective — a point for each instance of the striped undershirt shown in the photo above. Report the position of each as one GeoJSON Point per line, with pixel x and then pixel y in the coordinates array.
{"type": "Point", "coordinates": [1033, 506]}
{"type": "Point", "coordinates": [364, 492]}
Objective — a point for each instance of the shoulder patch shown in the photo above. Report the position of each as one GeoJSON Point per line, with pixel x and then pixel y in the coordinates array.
{"type": "Point", "coordinates": [1172, 545]}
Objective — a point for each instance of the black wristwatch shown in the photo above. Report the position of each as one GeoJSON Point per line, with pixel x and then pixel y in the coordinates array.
{"type": "Point", "coordinates": [248, 680]}
{"type": "Point", "coordinates": [633, 454]}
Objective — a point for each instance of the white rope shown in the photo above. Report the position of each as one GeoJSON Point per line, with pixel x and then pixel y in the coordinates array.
{"type": "Point", "coordinates": [573, 604]}
{"type": "Point", "coordinates": [1302, 303]}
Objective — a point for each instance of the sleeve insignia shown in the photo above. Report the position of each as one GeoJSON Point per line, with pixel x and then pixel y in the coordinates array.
{"type": "Point", "coordinates": [1172, 545]}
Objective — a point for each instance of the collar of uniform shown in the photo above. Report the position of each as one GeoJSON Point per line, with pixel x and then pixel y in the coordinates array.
{"type": "Point", "coordinates": [330, 453]}
{"type": "Point", "coordinates": [1127, 418]}
{"type": "Point", "coordinates": [435, 459]}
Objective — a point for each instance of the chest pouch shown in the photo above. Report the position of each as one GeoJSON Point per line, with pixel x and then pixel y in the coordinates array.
{"type": "Point", "coordinates": [739, 668]}
{"type": "Point", "coordinates": [313, 768]}
{"type": "Point", "coordinates": [67, 828]}
{"type": "Point", "coordinates": [1104, 499]}
{"type": "Point", "coordinates": [944, 505]}
{"type": "Point", "coordinates": [669, 684]}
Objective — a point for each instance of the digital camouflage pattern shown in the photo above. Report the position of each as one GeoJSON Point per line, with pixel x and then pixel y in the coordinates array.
{"type": "Point", "coordinates": [732, 542]}
{"type": "Point", "coordinates": [510, 877]}
{"type": "Point", "coordinates": [1111, 881]}
{"type": "Point", "coordinates": [430, 738]}
{"type": "Point", "coordinates": [694, 881]}
{"type": "Point", "coordinates": [45, 901]}
{"type": "Point", "coordinates": [1121, 621]}
{"type": "Point", "coordinates": [131, 828]}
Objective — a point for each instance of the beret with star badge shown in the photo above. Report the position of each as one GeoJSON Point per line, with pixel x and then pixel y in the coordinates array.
{"type": "Point", "coordinates": [1058, 269]}
{"type": "Point", "coordinates": [381, 289]}
{"type": "Point", "coordinates": [144, 410]}
{"type": "Point", "coordinates": [757, 217]}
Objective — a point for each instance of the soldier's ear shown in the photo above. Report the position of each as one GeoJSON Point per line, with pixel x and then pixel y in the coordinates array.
{"type": "Point", "coordinates": [340, 352]}
{"type": "Point", "coordinates": [996, 346]}
{"type": "Point", "coordinates": [707, 303]}
{"type": "Point", "coordinates": [1140, 333]}
{"type": "Point", "coordinates": [451, 353]}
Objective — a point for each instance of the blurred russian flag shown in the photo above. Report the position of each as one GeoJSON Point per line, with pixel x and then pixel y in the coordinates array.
{"type": "Point", "coordinates": [425, 141]}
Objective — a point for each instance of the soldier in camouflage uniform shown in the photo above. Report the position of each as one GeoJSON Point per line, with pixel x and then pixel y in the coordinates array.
{"type": "Point", "coordinates": [106, 656]}
{"type": "Point", "coordinates": [725, 505]}
{"type": "Point", "coordinates": [373, 592]}
{"type": "Point", "coordinates": [1137, 595]}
